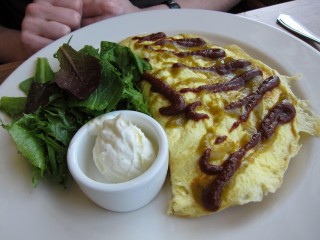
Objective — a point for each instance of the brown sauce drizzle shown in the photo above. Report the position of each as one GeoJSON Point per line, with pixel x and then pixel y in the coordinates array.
{"type": "Point", "coordinates": [152, 37]}
{"type": "Point", "coordinates": [228, 67]}
{"type": "Point", "coordinates": [220, 139]}
{"type": "Point", "coordinates": [253, 99]}
{"type": "Point", "coordinates": [221, 69]}
{"type": "Point", "coordinates": [282, 113]}
{"type": "Point", "coordinates": [234, 84]}
{"type": "Point", "coordinates": [159, 39]}
{"type": "Point", "coordinates": [177, 102]}
{"type": "Point", "coordinates": [205, 166]}
{"type": "Point", "coordinates": [192, 114]}
{"type": "Point", "coordinates": [184, 42]}
{"type": "Point", "coordinates": [212, 53]}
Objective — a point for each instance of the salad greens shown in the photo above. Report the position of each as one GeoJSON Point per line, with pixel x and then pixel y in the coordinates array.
{"type": "Point", "coordinates": [90, 82]}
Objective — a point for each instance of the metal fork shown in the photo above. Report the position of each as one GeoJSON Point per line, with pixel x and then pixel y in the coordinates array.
{"type": "Point", "coordinates": [291, 24]}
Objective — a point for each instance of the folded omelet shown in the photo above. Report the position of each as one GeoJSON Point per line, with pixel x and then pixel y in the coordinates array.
{"type": "Point", "coordinates": [232, 122]}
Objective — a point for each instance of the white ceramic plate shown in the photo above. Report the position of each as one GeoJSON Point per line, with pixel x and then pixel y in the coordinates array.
{"type": "Point", "coordinates": [49, 212]}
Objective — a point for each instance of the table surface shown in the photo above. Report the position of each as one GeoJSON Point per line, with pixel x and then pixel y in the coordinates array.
{"type": "Point", "coordinates": [305, 11]}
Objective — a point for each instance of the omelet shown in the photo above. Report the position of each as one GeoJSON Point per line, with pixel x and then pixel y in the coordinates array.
{"type": "Point", "coordinates": [232, 122]}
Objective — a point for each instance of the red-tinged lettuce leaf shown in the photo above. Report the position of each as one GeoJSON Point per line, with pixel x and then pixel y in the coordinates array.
{"type": "Point", "coordinates": [39, 95]}
{"type": "Point", "coordinates": [107, 95]}
{"type": "Point", "coordinates": [79, 73]}
{"type": "Point", "coordinates": [40, 87]}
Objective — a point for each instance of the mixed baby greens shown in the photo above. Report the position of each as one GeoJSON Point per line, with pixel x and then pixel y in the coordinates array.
{"type": "Point", "coordinates": [89, 83]}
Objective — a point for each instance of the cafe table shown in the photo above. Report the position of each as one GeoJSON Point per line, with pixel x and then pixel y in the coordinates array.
{"type": "Point", "coordinates": [305, 11]}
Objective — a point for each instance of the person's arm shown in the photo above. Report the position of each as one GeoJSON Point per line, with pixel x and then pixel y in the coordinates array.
{"type": "Point", "coordinates": [97, 10]}
{"type": "Point", "coordinates": [10, 45]}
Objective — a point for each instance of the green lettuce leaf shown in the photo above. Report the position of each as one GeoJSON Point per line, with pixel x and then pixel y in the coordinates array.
{"type": "Point", "coordinates": [89, 83]}
{"type": "Point", "coordinates": [43, 73]}
{"type": "Point", "coordinates": [13, 106]}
